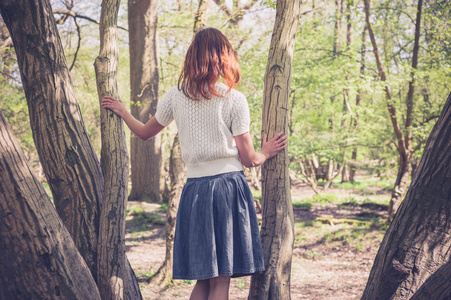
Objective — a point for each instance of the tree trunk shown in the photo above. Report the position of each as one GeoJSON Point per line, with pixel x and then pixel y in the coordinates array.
{"type": "Point", "coordinates": [345, 173]}
{"type": "Point", "coordinates": [200, 20]}
{"type": "Point", "coordinates": [111, 249]}
{"type": "Point", "coordinates": [437, 286]}
{"type": "Point", "coordinates": [400, 187]}
{"type": "Point", "coordinates": [38, 258]}
{"type": "Point", "coordinates": [358, 98]}
{"type": "Point", "coordinates": [403, 150]}
{"type": "Point", "coordinates": [145, 157]}
{"type": "Point", "coordinates": [277, 230]}
{"type": "Point", "coordinates": [418, 242]}
{"type": "Point", "coordinates": [337, 28]}
{"type": "Point", "coordinates": [346, 103]}
{"type": "Point", "coordinates": [56, 122]}
{"type": "Point", "coordinates": [405, 159]}
{"type": "Point", "coordinates": [177, 176]}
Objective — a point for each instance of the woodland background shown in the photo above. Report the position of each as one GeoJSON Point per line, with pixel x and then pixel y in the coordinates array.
{"type": "Point", "coordinates": [346, 148]}
{"type": "Point", "coordinates": [326, 79]}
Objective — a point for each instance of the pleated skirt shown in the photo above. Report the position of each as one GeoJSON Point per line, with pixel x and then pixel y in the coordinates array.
{"type": "Point", "coordinates": [217, 230]}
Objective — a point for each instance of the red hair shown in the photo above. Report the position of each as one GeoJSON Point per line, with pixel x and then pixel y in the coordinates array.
{"type": "Point", "coordinates": [209, 57]}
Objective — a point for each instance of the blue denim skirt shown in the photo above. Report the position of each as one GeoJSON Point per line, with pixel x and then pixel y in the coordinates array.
{"type": "Point", "coordinates": [217, 230]}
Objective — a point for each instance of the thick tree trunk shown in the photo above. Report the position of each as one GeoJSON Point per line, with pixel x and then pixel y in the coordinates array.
{"type": "Point", "coordinates": [277, 230]}
{"type": "Point", "coordinates": [437, 286]}
{"type": "Point", "coordinates": [177, 176]}
{"type": "Point", "coordinates": [73, 171]}
{"type": "Point", "coordinates": [418, 241]}
{"type": "Point", "coordinates": [111, 248]}
{"type": "Point", "coordinates": [38, 258]}
{"type": "Point", "coordinates": [145, 157]}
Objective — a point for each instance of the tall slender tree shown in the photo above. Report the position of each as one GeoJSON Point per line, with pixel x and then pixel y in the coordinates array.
{"type": "Point", "coordinates": [404, 137]}
{"type": "Point", "coordinates": [111, 273]}
{"type": "Point", "coordinates": [145, 156]}
{"type": "Point", "coordinates": [177, 177]}
{"type": "Point", "coordinates": [277, 230]}
{"type": "Point", "coordinates": [358, 99]}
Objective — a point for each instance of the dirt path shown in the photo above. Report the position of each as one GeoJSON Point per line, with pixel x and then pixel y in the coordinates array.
{"type": "Point", "coordinates": [330, 261]}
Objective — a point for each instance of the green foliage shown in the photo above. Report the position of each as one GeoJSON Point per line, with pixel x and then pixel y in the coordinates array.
{"type": "Point", "coordinates": [324, 198]}
{"type": "Point", "coordinates": [240, 284]}
{"type": "Point", "coordinates": [303, 205]}
{"type": "Point", "coordinates": [325, 72]}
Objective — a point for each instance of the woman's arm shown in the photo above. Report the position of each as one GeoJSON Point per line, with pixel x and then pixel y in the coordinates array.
{"type": "Point", "coordinates": [143, 131]}
{"type": "Point", "coordinates": [250, 158]}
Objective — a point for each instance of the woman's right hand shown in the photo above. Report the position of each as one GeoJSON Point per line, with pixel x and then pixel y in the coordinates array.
{"type": "Point", "coordinates": [249, 157]}
{"type": "Point", "coordinates": [116, 105]}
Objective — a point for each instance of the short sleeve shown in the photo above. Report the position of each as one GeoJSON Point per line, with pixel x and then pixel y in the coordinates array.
{"type": "Point", "coordinates": [240, 116]}
{"type": "Point", "coordinates": [164, 114]}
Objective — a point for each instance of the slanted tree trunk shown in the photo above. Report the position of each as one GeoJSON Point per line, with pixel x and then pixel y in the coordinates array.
{"type": "Point", "coordinates": [277, 230]}
{"type": "Point", "coordinates": [404, 140]}
{"type": "Point", "coordinates": [418, 242]}
{"type": "Point", "coordinates": [38, 258]}
{"type": "Point", "coordinates": [437, 286]}
{"type": "Point", "coordinates": [73, 172]}
{"type": "Point", "coordinates": [145, 157]}
{"type": "Point", "coordinates": [177, 176]}
{"type": "Point", "coordinates": [66, 154]}
{"type": "Point", "coordinates": [111, 248]}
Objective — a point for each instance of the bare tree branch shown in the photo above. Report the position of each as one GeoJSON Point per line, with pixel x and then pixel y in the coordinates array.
{"type": "Point", "coordinates": [78, 44]}
{"type": "Point", "coordinates": [77, 15]}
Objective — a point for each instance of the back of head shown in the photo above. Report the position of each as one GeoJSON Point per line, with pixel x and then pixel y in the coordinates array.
{"type": "Point", "coordinates": [209, 57]}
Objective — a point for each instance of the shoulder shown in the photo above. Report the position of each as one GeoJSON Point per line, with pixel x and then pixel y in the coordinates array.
{"type": "Point", "coordinates": [171, 96]}
{"type": "Point", "coordinates": [231, 94]}
{"type": "Point", "coordinates": [173, 92]}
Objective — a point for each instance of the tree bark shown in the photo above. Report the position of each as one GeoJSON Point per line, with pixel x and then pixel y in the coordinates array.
{"type": "Point", "coordinates": [112, 272]}
{"type": "Point", "coordinates": [200, 20]}
{"type": "Point", "coordinates": [145, 157]}
{"type": "Point", "coordinates": [437, 286]}
{"type": "Point", "coordinates": [177, 176]}
{"type": "Point", "coordinates": [358, 98]}
{"type": "Point", "coordinates": [418, 242]}
{"type": "Point", "coordinates": [277, 230]}
{"type": "Point", "coordinates": [345, 177]}
{"type": "Point", "coordinates": [73, 172]}
{"type": "Point", "coordinates": [38, 258]}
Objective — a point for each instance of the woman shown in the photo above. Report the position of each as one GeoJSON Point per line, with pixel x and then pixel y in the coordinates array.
{"type": "Point", "coordinates": [216, 235]}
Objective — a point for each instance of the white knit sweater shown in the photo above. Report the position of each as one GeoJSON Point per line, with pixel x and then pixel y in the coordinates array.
{"type": "Point", "coordinates": [206, 129]}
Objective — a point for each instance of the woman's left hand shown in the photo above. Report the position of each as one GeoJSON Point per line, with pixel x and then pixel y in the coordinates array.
{"type": "Point", "coordinates": [116, 105]}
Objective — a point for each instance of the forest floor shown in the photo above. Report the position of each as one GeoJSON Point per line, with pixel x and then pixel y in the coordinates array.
{"type": "Point", "coordinates": [337, 237]}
